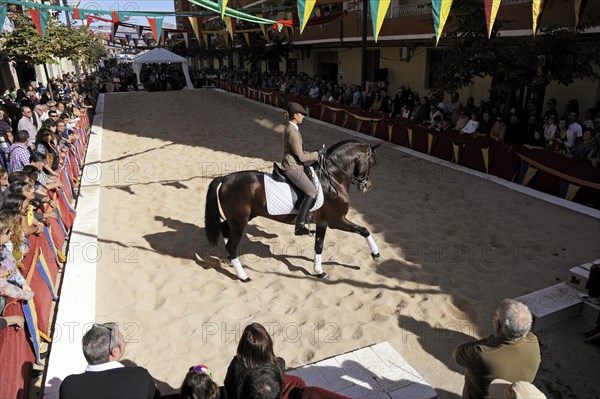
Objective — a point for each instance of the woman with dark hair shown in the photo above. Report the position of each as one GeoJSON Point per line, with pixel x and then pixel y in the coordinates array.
{"type": "Point", "coordinates": [254, 349]}
{"type": "Point", "coordinates": [44, 143]}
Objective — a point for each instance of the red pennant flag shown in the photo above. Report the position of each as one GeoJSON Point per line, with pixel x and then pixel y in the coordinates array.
{"type": "Point", "coordinates": [115, 17]}
{"type": "Point", "coordinates": [76, 14]}
{"type": "Point", "coordinates": [39, 20]}
{"type": "Point", "coordinates": [89, 19]}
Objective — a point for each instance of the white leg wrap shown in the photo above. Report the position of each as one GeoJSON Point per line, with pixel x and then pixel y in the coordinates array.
{"type": "Point", "coordinates": [225, 240]}
{"type": "Point", "coordinates": [372, 246]}
{"type": "Point", "coordinates": [318, 268]}
{"type": "Point", "coordinates": [239, 270]}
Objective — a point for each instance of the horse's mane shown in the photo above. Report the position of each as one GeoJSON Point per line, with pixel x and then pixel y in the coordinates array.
{"type": "Point", "coordinates": [338, 153]}
{"type": "Point", "coordinates": [335, 148]}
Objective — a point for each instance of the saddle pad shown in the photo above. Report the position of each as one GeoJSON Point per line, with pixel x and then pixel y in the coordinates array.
{"type": "Point", "coordinates": [280, 197]}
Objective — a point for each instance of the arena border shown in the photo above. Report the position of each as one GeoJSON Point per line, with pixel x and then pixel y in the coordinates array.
{"type": "Point", "coordinates": [76, 310]}
{"type": "Point", "coordinates": [573, 206]}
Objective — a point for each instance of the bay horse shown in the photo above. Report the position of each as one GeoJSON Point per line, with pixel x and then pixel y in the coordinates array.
{"type": "Point", "coordinates": [242, 197]}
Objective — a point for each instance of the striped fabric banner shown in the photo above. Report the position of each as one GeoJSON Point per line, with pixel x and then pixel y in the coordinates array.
{"type": "Point", "coordinates": [31, 323]}
{"type": "Point", "coordinates": [222, 7]}
{"type": "Point", "coordinates": [156, 25]}
{"type": "Point", "coordinates": [378, 10]}
{"type": "Point", "coordinates": [441, 10]}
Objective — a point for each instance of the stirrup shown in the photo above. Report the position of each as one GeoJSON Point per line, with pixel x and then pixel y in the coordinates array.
{"type": "Point", "coordinates": [301, 231]}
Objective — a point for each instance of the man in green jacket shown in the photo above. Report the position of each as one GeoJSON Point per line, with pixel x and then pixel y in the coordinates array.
{"type": "Point", "coordinates": [513, 354]}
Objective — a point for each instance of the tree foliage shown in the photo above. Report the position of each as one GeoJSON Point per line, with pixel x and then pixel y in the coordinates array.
{"type": "Point", "coordinates": [59, 42]}
{"type": "Point", "coordinates": [555, 54]}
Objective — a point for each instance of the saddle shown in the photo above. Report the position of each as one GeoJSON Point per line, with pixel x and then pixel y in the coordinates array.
{"type": "Point", "coordinates": [283, 197]}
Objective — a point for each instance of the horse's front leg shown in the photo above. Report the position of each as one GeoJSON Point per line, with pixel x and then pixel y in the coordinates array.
{"type": "Point", "coordinates": [319, 239]}
{"type": "Point", "coordinates": [346, 225]}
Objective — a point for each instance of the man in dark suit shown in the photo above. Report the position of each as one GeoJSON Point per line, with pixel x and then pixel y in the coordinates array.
{"type": "Point", "coordinates": [104, 377]}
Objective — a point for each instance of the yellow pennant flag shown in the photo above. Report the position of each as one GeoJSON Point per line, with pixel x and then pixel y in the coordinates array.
{"type": "Point", "coordinates": [378, 10]}
{"type": "Point", "coordinates": [230, 25]}
{"type": "Point", "coordinates": [429, 142]}
{"type": "Point", "coordinates": [491, 10]}
{"type": "Point", "coordinates": [247, 38]}
{"type": "Point", "coordinates": [485, 152]}
{"type": "Point", "coordinates": [531, 171]}
{"type": "Point", "coordinates": [455, 147]}
{"type": "Point", "coordinates": [263, 28]}
{"type": "Point", "coordinates": [196, 23]}
{"type": "Point", "coordinates": [572, 191]}
{"type": "Point", "coordinates": [305, 8]}
{"type": "Point", "coordinates": [537, 8]}
{"type": "Point", "coordinates": [441, 10]}
{"type": "Point", "coordinates": [409, 137]}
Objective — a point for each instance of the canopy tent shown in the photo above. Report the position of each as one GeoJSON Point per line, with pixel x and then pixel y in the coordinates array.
{"type": "Point", "coordinates": [161, 56]}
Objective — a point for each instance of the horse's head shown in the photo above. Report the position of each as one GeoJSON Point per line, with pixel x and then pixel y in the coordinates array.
{"type": "Point", "coordinates": [355, 160]}
{"type": "Point", "coordinates": [364, 163]}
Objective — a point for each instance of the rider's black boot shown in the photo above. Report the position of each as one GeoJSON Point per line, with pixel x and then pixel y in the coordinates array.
{"type": "Point", "coordinates": [302, 217]}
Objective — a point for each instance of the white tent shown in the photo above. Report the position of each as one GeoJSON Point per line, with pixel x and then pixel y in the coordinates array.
{"type": "Point", "coordinates": [161, 56]}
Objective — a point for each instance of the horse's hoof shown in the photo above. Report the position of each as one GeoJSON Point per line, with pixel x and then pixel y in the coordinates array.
{"type": "Point", "coordinates": [321, 275]}
{"type": "Point", "coordinates": [246, 280]}
{"type": "Point", "coordinates": [375, 256]}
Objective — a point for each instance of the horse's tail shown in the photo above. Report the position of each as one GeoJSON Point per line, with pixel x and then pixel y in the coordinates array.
{"type": "Point", "coordinates": [212, 218]}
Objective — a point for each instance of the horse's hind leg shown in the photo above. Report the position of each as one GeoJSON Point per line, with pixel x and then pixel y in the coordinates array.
{"type": "Point", "coordinates": [225, 231]}
{"type": "Point", "coordinates": [234, 232]}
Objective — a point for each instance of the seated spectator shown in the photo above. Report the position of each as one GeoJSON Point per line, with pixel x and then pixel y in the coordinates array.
{"type": "Point", "coordinates": [262, 382]}
{"type": "Point", "coordinates": [588, 123]}
{"type": "Point", "coordinates": [472, 125]}
{"type": "Point", "coordinates": [376, 105]}
{"type": "Point", "coordinates": [433, 112]}
{"type": "Point", "coordinates": [437, 124]}
{"type": "Point", "coordinates": [421, 110]}
{"type": "Point", "coordinates": [485, 127]}
{"type": "Point", "coordinates": [103, 347]}
{"type": "Point", "coordinates": [512, 354]}
{"type": "Point", "coordinates": [515, 131]}
{"type": "Point", "coordinates": [586, 149]}
{"type": "Point", "coordinates": [535, 142]}
{"type": "Point", "coordinates": [462, 121]}
{"type": "Point", "coordinates": [502, 389]}
{"type": "Point", "coordinates": [3, 180]}
{"type": "Point", "coordinates": [549, 127]}
{"type": "Point", "coordinates": [564, 139]}
{"type": "Point", "coordinates": [12, 282]}
{"type": "Point", "coordinates": [18, 153]}
{"type": "Point", "coordinates": [254, 349]}
{"type": "Point", "coordinates": [198, 384]}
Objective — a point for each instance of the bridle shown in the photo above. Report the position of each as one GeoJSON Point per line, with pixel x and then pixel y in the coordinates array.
{"type": "Point", "coordinates": [361, 182]}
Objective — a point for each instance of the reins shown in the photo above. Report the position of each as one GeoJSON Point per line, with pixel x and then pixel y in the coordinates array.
{"type": "Point", "coordinates": [358, 182]}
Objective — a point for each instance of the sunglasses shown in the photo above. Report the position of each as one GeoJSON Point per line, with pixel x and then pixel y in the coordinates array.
{"type": "Point", "coordinates": [201, 369]}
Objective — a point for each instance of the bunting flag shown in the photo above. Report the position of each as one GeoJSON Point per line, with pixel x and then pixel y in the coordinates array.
{"type": "Point", "coordinates": [305, 8]}
{"type": "Point", "coordinates": [205, 37]}
{"type": "Point", "coordinates": [40, 19]}
{"type": "Point", "coordinates": [568, 190]}
{"type": "Point", "coordinates": [196, 23]}
{"type": "Point", "coordinates": [537, 9]}
{"type": "Point", "coordinates": [247, 38]}
{"type": "Point", "coordinates": [88, 20]}
{"type": "Point", "coordinates": [409, 131]}
{"type": "Point", "coordinates": [456, 150]}
{"type": "Point", "coordinates": [30, 316]}
{"type": "Point", "coordinates": [2, 16]}
{"type": "Point", "coordinates": [222, 7]}
{"type": "Point", "coordinates": [579, 9]}
{"type": "Point", "coordinates": [230, 26]}
{"type": "Point", "coordinates": [128, 37]}
{"type": "Point", "coordinates": [491, 10]}
{"type": "Point", "coordinates": [113, 29]}
{"type": "Point", "coordinates": [263, 28]}
{"type": "Point", "coordinates": [186, 39]}
{"type": "Point", "coordinates": [138, 30]}
{"type": "Point", "coordinates": [441, 10]}
{"type": "Point", "coordinates": [378, 10]}
{"type": "Point", "coordinates": [116, 18]}
{"type": "Point", "coordinates": [145, 39]}
{"type": "Point", "coordinates": [429, 142]}
{"type": "Point", "coordinates": [156, 25]}
{"type": "Point", "coordinates": [76, 14]}
{"type": "Point", "coordinates": [226, 38]}
{"type": "Point", "coordinates": [485, 153]}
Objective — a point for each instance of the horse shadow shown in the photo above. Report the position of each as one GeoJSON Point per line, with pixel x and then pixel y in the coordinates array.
{"type": "Point", "coordinates": [210, 257]}
{"type": "Point", "coordinates": [438, 340]}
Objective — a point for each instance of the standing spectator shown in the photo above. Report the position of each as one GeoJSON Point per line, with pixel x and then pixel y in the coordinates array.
{"type": "Point", "coordinates": [574, 126]}
{"type": "Point", "coordinates": [18, 153]}
{"type": "Point", "coordinates": [549, 127]}
{"type": "Point", "coordinates": [27, 123]}
{"type": "Point", "coordinates": [104, 377]}
{"type": "Point", "coordinates": [357, 97]}
{"type": "Point", "coordinates": [512, 354]}
{"type": "Point", "coordinates": [551, 111]}
{"type": "Point", "coordinates": [564, 139]}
